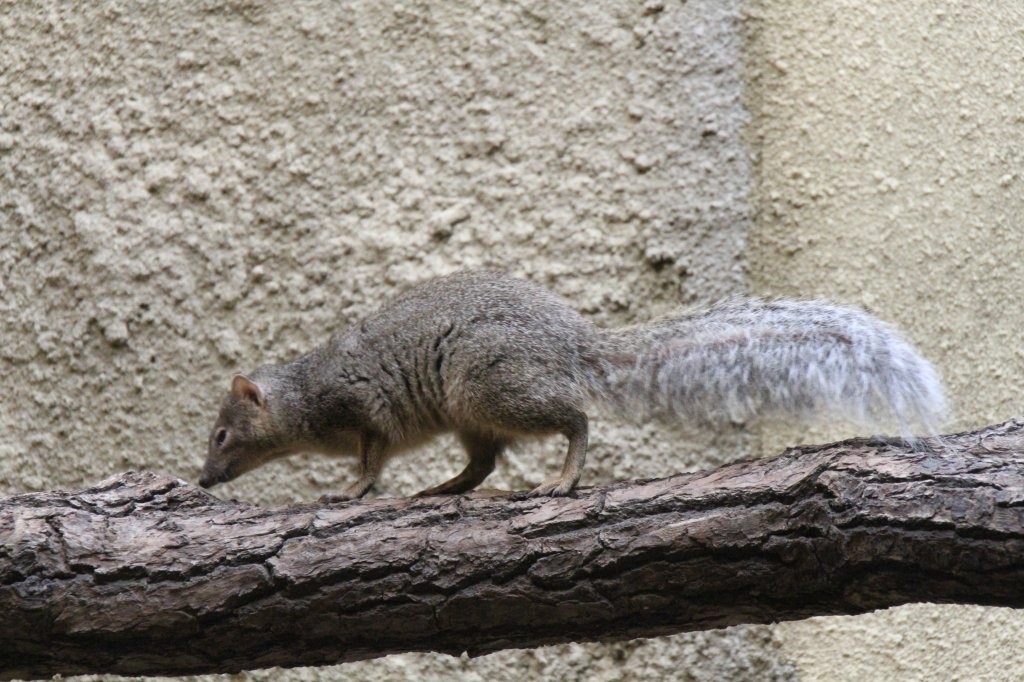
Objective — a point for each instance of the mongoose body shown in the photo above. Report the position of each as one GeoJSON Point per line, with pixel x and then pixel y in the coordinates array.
{"type": "Point", "coordinates": [494, 359]}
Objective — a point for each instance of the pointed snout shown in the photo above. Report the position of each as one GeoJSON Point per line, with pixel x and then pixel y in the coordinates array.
{"type": "Point", "coordinates": [211, 477]}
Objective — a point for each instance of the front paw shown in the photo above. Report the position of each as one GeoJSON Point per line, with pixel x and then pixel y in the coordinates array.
{"type": "Point", "coordinates": [553, 487]}
{"type": "Point", "coordinates": [353, 492]}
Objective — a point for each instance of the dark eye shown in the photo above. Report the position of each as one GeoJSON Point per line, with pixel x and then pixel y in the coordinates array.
{"type": "Point", "coordinates": [220, 437]}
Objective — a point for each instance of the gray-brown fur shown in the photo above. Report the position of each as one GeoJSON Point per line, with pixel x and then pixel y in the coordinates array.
{"type": "Point", "coordinates": [494, 359]}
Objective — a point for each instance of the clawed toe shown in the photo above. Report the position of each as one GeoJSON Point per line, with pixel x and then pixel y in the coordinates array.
{"type": "Point", "coordinates": [553, 488]}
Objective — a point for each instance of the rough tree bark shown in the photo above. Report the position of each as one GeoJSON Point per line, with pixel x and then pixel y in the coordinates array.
{"type": "Point", "coordinates": [145, 574]}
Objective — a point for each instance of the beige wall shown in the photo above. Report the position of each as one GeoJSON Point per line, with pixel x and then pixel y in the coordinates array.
{"type": "Point", "coordinates": [889, 142]}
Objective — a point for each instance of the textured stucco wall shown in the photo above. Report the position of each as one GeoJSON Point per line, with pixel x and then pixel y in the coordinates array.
{"type": "Point", "coordinates": [193, 188]}
{"type": "Point", "coordinates": [889, 147]}
{"type": "Point", "coordinates": [188, 189]}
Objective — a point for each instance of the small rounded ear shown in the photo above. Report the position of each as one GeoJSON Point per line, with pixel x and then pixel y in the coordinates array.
{"type": "Point", "coordinates": [244, 387]}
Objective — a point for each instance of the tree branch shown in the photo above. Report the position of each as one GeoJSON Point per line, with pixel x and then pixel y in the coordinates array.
{"type": "Point", "coordinates": [144, 574]}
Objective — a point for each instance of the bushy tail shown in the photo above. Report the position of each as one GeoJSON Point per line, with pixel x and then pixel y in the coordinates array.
{"type": "Point", "coordinates": [746, 358]}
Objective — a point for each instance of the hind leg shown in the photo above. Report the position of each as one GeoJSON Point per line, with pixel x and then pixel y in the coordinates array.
{"type": "Point", "coordinates": [530, 386]}
{"type": "Point", "coordinates": [482, 451]}
{"type": "Point", "coordinates": [575, 430]}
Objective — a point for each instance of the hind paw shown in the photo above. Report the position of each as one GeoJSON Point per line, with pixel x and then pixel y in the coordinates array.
{"type": "Point", "coordinates": [553, 487]}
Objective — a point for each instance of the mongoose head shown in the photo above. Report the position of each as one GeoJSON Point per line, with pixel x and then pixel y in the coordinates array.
{"type": "Point", "coordinates": [247, 433]}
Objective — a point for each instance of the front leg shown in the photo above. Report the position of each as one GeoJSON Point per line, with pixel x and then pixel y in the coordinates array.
{"type": "Point", "coordinates": [371, 460]}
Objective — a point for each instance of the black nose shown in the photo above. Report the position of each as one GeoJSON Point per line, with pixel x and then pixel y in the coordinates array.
{"type": "Point", "coordinates": [208, 481]}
